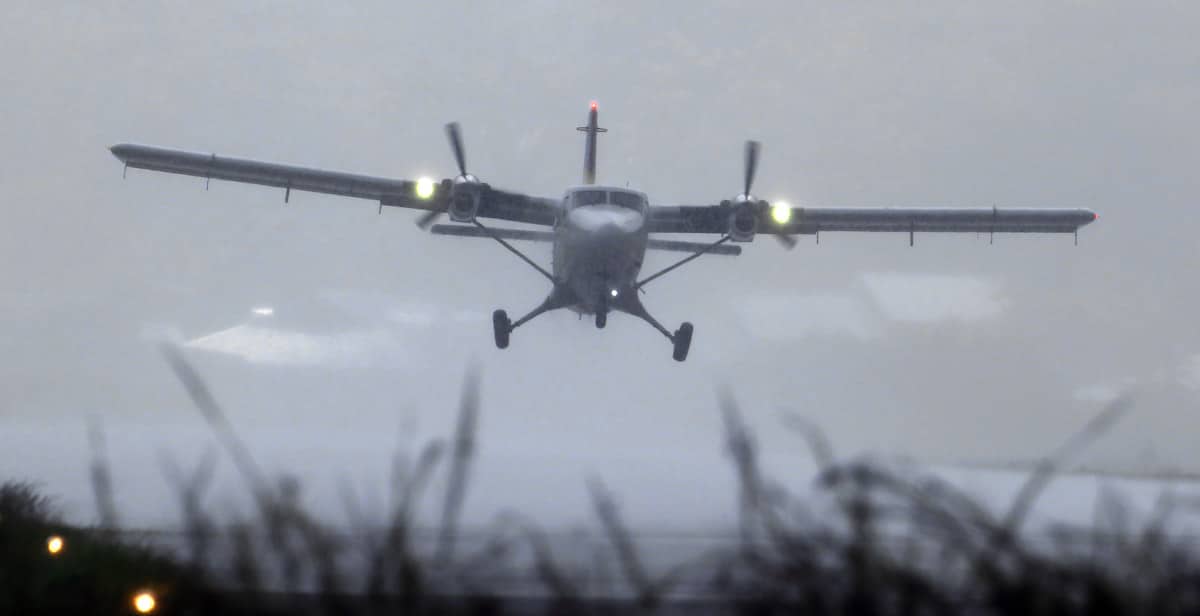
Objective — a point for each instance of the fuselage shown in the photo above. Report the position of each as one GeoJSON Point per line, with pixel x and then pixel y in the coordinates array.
{"type": "Point", "coordinates": [599, 245]}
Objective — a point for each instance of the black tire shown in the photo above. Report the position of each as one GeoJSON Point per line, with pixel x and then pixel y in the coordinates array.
{"type": "Point", "coordinates": [682, 341]}
{"type": "Point", "coordinates": [501, 327]}
{"type": "Point", "coordinates": [601, 319]}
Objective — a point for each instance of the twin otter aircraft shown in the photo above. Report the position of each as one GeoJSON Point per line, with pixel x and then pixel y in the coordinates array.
{"type": "Point", "coordinates": [600, 233]}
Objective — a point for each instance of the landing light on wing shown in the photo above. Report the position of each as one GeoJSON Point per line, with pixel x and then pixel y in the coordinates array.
{"type": "Point", "coordinates": [781, 212]}
{"type": "Point", "coordinates": [424, 188]}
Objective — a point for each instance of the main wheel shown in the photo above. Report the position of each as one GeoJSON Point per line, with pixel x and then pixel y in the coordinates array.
{"type": "Point", "coordinates": [601, 319]}
{"type": "Point", "coordinates": [501, 327]}
{"type": "Point", "coordinates": [682, 341]}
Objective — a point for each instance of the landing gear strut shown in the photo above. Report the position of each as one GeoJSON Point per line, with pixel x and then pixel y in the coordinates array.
{"type": "Point", "coordinates": [681, 339]}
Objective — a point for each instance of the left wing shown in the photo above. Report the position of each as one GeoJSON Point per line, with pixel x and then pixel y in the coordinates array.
{"type": "Point", "coordinates": [807, 221]}
{"type": "Point", "coordinates": [493, 203]}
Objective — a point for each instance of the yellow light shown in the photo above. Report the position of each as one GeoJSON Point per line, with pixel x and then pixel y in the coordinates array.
{"type": "Point", "coordinates": [781, 212]}
{"type": "Point", "coordinates": [424, 188]}
{"type": "Point", "coordinates": [54, 545]}
{"type": "Point", "coordinates": [144, 602]}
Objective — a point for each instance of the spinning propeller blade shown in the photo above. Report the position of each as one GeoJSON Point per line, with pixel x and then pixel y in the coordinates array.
{"type": "Point", "coordinates": [456, 144]}
{"type": "Point", "coordinates": [752, 148]}
{"type": "Point", "coordinates": [426, 220]}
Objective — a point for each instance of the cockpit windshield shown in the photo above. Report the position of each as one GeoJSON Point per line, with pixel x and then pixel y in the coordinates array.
{"type": "Point", "coordinates": [590, 197]}
{"type": "Point", "coordinates": [621, 198]}
{"type": "Point", "coordinates": [630, 200]}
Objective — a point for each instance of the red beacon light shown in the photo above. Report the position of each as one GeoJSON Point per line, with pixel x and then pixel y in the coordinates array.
{"type": "Point", "coordinates": [594, 105]}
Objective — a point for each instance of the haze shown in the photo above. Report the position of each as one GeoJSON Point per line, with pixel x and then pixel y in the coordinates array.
{"type": "Point", "coordinates": [952, 350]}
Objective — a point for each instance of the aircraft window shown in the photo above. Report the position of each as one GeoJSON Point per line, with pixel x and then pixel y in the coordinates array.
{"type": "Point", "coordinates": [632, 201]}
{"type": "Point", "coordinates": [590, 197]}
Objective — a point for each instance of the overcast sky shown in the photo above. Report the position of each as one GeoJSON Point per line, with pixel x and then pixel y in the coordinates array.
{"type": "Point", "coordinates": [950, 350]}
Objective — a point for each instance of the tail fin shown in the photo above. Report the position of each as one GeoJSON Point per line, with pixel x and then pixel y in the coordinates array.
{"type": "Point", "coordinates": [589, 152]}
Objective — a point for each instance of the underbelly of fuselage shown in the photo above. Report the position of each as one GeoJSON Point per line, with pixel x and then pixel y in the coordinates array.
{"type": "Point", "coordinates": [594, 263]}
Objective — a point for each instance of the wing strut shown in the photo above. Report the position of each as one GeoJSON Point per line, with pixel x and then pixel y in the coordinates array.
{"type": "Point", "coordinates": [681, 262]}
{"type": "Point", "coordinates": [521, 255]}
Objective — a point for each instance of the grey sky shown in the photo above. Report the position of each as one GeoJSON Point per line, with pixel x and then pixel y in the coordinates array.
{"type": "Point", "coordinates": [953, 349]}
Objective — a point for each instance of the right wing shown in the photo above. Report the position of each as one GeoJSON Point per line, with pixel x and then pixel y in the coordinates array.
{"type": "Point", "coordinates": [810, 220]}
{"type": "Point", "coordinates": [495, 203]}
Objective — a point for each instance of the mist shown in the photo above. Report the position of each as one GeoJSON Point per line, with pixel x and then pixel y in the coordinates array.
{"type": "Point", "coordinates": [958, 349]}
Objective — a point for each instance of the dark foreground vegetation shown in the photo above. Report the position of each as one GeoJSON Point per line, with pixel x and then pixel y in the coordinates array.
{"type": "Point", "coordinates": [886, 540]}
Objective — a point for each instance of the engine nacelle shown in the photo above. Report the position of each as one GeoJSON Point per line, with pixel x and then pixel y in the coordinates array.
{"type": "Point", "coordinates": [743, 222]}
{"type": "Point", "coordinates": [464, 202]}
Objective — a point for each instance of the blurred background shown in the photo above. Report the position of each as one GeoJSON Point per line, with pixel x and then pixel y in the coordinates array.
{"type": "Point", "coordinates": [334, 335]}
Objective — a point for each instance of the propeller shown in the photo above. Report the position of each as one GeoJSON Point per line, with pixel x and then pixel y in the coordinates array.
{"type": "Point", "coordinates": [751, 166]}
{"type": "Point", "coordinates": [456, 145]}
{"type": "Point", "coordinates": [752, 148]}
{"type": "Point", "coordinates": [426, 219]}
{"type": "Point", "coordinates": [788, 241]}
{"type": "Point", "coordinates": [452, 132]}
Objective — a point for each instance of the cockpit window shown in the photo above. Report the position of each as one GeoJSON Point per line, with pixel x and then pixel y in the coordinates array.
{"type": "Point", "coordinates": [630, 200]}
{"type": "Point", "coordinates": [590, 197]}
{"type": "Point", "coordinates": [622, 198]}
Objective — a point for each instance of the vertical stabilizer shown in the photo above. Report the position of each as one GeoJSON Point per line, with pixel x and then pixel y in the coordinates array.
{"type": "Point", "coordinates": [589, 152]}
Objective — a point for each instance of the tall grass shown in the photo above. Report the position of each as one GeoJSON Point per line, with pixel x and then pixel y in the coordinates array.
{"type": "Point", "coordinates": [897, 541]}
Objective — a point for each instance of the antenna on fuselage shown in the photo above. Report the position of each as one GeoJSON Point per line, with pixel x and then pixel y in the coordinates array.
{"type": "Point", "coordinates": [589, 151]}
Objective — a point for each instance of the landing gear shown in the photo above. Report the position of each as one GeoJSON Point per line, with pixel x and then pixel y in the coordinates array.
{"type": "Point", "coordinates": [560, 297]}
{"type": "Point", "coordinates": [602, 312]}
{"type": "Point", "coordinates": [501, 326]}
{"type": "Point", "coordinates": [682, 341]}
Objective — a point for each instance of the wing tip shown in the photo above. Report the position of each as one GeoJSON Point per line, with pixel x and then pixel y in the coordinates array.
{"type": "Point", "coordinates": [121, 151]}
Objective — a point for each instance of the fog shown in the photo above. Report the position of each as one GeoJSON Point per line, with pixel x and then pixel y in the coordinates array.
{"type": "Point", "coordinates": [953, 350]}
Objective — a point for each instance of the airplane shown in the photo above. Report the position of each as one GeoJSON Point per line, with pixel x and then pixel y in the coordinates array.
{"type": "Point", "coordinates": [600, 234]}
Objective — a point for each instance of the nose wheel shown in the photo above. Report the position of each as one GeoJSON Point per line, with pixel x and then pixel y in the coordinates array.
{"type": "Point", "coordinates": [601, 319]}
{"type": "Point", "coordinates": [682, 341]}
{"type": "Point", "coordinates": [501, 327]}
